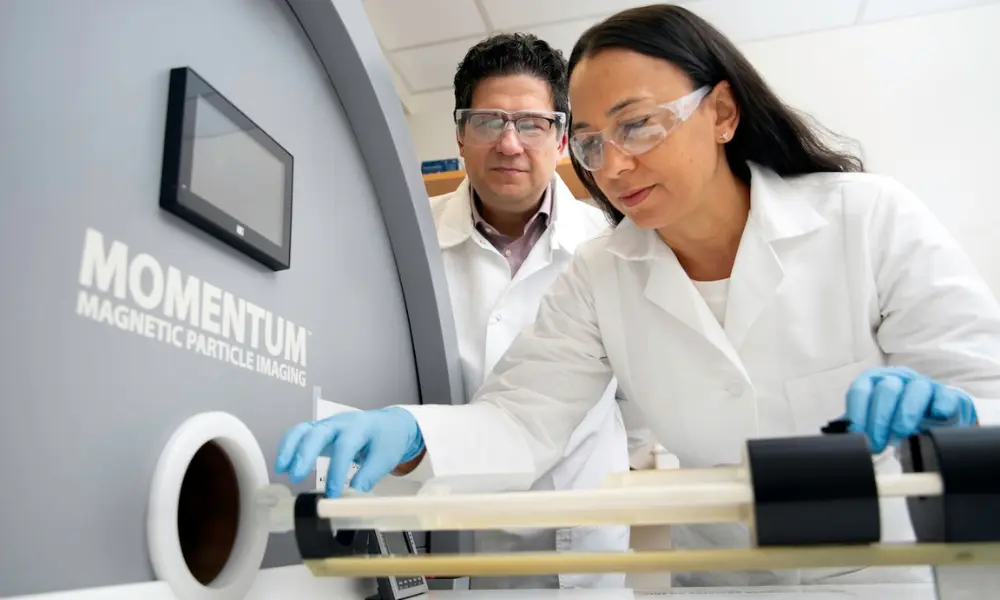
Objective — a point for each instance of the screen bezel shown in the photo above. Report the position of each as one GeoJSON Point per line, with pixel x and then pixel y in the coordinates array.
{"type": "Point", "coordinates": [176, 197]}
{"type": "Point", "coordinates": [383, 548]}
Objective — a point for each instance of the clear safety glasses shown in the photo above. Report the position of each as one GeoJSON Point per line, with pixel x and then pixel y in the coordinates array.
{"type": "Point", "coordinates": [637, 133]}
{"type": "Point", "coordinates": [485, 127]}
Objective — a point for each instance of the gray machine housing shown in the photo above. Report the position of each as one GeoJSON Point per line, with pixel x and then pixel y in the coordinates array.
{"type": "Point", "coordinates": [98, 370]}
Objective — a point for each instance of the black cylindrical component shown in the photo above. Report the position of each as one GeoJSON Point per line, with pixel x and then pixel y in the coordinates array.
{"type": "Point", "coordinates": [313, 534]}
{"type": "Point", "coordinates": [968, 461]}
{"type": "Point", "coordinates": [814, 490]}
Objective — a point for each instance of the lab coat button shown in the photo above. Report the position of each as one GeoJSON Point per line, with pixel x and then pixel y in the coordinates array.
{"type": "Point", "coordinates": [497, 318]}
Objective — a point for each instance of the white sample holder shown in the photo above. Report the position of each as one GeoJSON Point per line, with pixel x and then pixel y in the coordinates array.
{"type": "Point", "coordinates": [651, 537]}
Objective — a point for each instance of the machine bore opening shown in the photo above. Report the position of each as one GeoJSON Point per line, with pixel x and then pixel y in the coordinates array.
{"type": "Point", "coordinates": [208, 512]}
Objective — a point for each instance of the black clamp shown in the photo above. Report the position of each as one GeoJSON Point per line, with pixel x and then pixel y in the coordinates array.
{"type": "Point", "coordinates": [968, 462]}
{"type": "Point", "coordinates": [814, 490]}
{"type": "Point", "coordinates": [316, 539]}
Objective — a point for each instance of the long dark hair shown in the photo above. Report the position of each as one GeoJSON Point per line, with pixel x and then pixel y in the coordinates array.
{"type": "Point", "coordinates": [770, 133]}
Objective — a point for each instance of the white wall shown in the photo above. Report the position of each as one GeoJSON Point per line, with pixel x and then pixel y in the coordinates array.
{"type": "Point", "coordinates": [920, 95]}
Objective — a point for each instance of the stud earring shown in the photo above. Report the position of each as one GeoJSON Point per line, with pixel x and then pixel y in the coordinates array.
{"type": "Point", "coordinates": [725, 135]}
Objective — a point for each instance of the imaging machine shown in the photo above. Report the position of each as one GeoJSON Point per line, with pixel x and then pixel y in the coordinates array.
{"type": "Point", "coordinates": [213, 223]}
{"type": "Point", "coordinates": [208, 207]}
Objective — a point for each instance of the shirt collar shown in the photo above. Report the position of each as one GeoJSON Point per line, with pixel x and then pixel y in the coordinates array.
{"type": "Point", "coordinates": [545, 212]}
{"type": "Point", "coordinates": [569, 225]}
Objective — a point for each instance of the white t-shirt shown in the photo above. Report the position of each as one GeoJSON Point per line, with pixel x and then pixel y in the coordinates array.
{"type": "Point", "coordinates": [715, 293]}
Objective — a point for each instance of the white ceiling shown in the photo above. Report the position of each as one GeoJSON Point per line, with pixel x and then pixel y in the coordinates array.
{"type": "Point", "coordinates": [425, 39]}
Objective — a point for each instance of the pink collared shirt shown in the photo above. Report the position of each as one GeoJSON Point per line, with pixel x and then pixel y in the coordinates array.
{"type": "Point", "coordinates": [516, 250]}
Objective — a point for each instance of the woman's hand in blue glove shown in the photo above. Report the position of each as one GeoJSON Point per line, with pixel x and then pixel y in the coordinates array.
{"type": "Point", "coordinates": [890, 404]}
{"type": "Point", "coordinates": [377, 440]}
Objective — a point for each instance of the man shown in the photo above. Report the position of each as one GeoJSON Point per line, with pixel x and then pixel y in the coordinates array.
{"type": "Point", "coordinates": [506, 233]}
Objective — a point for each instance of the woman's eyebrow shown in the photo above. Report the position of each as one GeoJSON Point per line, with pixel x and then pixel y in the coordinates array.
{"type": "Point", "coordinates": [621, 104]}
{"type": "Point", "coordinates": [616, 108]}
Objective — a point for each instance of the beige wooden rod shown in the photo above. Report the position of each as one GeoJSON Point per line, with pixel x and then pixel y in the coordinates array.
{"type": "Point", "coordinates": [736, 513]}
{"type": "Point", "coordinates": [658, 477]}
{"type": "Point", "coordinates": [889, 485]}
{"type": "Point", "coordinates": [691, 502]}
{"type": "Point", "coordinates": [734, 559]}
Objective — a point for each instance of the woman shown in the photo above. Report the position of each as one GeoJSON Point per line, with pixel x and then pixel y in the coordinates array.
{"type": "Point", "coordinates": [758, 284]}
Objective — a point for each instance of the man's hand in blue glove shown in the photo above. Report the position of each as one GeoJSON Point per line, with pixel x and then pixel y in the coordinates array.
{"type": "Point", "coordinates": [377, 440]}
{"type": "Point", "coordinates": [890, 404]}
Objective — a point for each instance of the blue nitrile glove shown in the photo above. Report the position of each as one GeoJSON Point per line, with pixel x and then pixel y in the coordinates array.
{"type": "Point", "coordinates": [377, 440]}
{"type": "Point", "coordinates": [889, 404]}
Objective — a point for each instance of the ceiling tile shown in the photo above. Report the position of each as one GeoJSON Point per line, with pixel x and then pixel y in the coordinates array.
{"type": "Point", "coordinates": [431, 67]}
{"type": "Point", "coordinates": [882, 10]}
{"type": "Point", "coordinates": [745, 20]}
{"type": "Point", "coordinates": [563, 36]}
{"type": "Point", "coordinates": [510, 14]}
{"type": "Point", "coordinates": [405, 23]}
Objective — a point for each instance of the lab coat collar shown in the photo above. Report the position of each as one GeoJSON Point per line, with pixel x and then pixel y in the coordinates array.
{"type": "Point", "coordinates": [779, 208]}
{"type": "Point", "coordinates": [457, 226]}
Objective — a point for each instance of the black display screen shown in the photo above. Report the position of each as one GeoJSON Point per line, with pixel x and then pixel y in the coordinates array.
{"type": "Point", "coordinates": [224, 174]}
{"type": "Point", "coordinates": [395, 541]}
{"type": "Point", "coordinates": [235, 173]}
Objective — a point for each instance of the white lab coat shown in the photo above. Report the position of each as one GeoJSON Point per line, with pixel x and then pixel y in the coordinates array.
{"type": "Point", "coordinates": [490, 310]}
{"type": "Point", "coordinates": [835, 273]}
